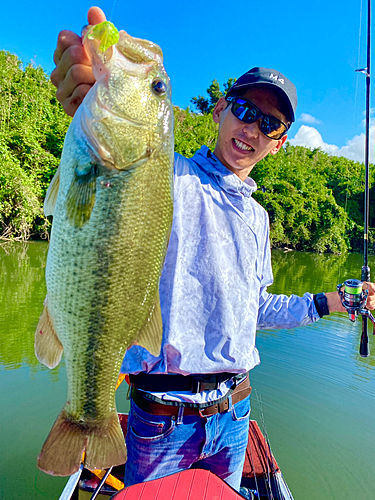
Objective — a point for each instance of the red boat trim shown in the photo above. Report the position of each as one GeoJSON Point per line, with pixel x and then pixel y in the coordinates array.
{"type": "Point", "coordinates": [259, 460]}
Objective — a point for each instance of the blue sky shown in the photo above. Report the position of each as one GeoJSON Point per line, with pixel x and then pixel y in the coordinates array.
{"type": "Point", "coordinates": [316, 44]}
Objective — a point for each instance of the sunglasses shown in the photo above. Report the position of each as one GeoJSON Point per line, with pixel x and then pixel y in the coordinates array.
{"type": "Point", "coordinates": [247, 112]}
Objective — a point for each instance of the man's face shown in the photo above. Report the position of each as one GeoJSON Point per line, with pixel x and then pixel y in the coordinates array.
{"type": "Point", "coordinates": [240, 146]}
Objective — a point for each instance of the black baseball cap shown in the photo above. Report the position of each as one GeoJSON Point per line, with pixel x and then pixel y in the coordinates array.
{"type": "Point", "coordinates": [270, 78]}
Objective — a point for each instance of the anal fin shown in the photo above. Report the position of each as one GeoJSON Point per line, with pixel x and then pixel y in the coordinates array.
{"type": "Point", "coordinates": [150, 336]}
{"type": "Point", "coordinates": [48, 348]}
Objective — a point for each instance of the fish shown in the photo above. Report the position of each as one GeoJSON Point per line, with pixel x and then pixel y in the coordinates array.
{"type": "Point", "coordinates": [112, 205]}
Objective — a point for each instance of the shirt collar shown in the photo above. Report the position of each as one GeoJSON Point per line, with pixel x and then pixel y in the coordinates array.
{"type": "Point", "coordinates": [226, 179]}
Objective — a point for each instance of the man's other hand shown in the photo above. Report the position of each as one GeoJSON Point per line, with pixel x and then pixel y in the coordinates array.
{"type": "Point", "coordinates": [73, 76]}
{"type": "Point", "coordinates": [334, 301]}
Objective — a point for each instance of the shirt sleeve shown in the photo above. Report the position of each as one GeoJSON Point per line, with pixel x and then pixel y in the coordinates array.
{"type": "Point", "coordinates": [282, 311]}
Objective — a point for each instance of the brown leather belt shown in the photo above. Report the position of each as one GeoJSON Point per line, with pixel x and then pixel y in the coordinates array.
{"type": "Point", "coordinates": [239, 393]}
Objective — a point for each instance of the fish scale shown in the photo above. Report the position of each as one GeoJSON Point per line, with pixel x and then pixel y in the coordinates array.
{"type": "Point", "coordinates": [112, 213]}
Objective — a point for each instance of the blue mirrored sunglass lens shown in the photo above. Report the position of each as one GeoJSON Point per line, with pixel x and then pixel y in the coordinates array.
{"type": "Point", "coordinates": [246, 112]}
{"type": "Point", "coordinates": [243, 112]}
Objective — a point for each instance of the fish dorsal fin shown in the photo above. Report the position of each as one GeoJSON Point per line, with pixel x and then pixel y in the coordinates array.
{"type": "Point", "coordinates": [48, 348]}
{"type": "Point", "coordinates": [51, 196]}
{"type": "Point", "coordinates": [80, 199]}
{"type": "Point", "coordinates": [150, 336]}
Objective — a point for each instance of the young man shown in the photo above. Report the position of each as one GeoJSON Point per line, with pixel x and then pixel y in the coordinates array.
{"type": "Point", "coordinates": [190, 405]}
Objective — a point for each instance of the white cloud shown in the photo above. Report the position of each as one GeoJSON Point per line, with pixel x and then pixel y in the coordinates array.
{"type": "Point", "coordinates": [309, 137]}
{"type": "Point", "coordinates": [305, 117]}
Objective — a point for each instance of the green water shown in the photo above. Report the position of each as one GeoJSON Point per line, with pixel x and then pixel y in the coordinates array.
{"type": "Point", "coordinates": [317, 395]}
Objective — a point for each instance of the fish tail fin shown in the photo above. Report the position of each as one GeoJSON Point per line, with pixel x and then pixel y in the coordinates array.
{"type": "Point", "coordinates": [103, 444]}
{"type": "Point", "coordinates": [106, 445]}
{"type": "Point", "coordinates": [62, 451]}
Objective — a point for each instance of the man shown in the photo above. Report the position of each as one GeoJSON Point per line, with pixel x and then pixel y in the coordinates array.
{"type": "Point", "coordinates": [190, 405]}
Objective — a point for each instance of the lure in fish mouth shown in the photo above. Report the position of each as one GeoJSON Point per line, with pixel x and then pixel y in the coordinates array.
{"type": "Point", "coordinates": [111, 201]}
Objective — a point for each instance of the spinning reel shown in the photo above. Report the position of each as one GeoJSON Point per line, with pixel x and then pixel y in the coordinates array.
{"type": "Point", "coordinates": [354, 299]}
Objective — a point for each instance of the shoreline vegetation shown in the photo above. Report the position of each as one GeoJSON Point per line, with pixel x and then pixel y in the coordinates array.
{"type": "Point", "coordinates": [315, 201]}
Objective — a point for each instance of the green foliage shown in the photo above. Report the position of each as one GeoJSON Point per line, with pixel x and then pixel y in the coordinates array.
{"type": "Point", "coordinates": [315, 201]}
{"type": "Point", "coordinates": [192, 131]}
{"type": "Point", "coordinates": [32, 131]}
{"type": "Point", "coordinates": [206, 104]}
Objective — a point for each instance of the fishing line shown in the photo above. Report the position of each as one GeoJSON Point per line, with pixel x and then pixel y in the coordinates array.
{"type": "Point", "coordinates": [253, 465]}
{"type": "Point", "coordinates": [359, 55]}
{"type": "Point", "coordinates": [268, 447]}
{"type": "Point", "coordinates": [113, 8]}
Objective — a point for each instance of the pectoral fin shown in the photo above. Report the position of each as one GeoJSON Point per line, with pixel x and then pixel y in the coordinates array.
{"type": "Point", "coordinates": [51, 196]}
{"type": "Point", "coordinates": [81, 195]}
{"type": "Point", "coordinates": [48, 348]}
{"type": "Point", "coordinates": [150, 336]}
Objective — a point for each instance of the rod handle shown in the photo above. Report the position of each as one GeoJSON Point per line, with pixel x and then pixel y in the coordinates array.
{"type": "Point", "coordinates": [363, 347]}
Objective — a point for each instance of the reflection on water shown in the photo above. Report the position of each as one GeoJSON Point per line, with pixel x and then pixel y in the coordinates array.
{"type": "Point", "coordinates": [22, 291]}
{"type": "Point", "coordinates": [316, 393]}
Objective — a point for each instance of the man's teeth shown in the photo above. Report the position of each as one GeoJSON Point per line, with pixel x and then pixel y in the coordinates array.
{"type": "Point", "coordinates": [242, 145]}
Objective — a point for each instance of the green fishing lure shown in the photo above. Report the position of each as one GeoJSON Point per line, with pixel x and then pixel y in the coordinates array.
{"type": "Point", "coordinates": [106, 33]}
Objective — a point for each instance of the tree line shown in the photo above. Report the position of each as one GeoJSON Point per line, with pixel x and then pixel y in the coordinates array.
{"type": "Point", "coordinates": [315, 201]}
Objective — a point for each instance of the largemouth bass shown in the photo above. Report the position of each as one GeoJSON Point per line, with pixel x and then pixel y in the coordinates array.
{"type": "Point", "coordinates": [111, 202]}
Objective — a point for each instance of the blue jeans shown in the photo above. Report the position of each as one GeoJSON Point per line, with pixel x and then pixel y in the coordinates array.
{"type": "Point", "coordinates": [162, 445]}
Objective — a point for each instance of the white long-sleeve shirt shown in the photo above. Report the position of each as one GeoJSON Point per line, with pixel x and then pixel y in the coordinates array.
{"type": "Point", "coordinates": [213, 289]}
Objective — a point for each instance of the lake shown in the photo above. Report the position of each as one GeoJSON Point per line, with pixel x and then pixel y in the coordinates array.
{"type": "Point", "coordinates": [313, 390]}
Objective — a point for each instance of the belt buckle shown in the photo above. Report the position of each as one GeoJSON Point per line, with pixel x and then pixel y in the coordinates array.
{"type": "Point", "coordinates": [201, 414]}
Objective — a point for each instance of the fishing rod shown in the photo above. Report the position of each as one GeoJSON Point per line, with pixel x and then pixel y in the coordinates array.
{"type": "Point", "coordinates": [351, 292]}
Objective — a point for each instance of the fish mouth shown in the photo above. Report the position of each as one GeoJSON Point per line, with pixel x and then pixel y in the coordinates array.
{"type": "Point", "coordinates": [136, 50]}
{"type": "Point", "coordinates": [139, 51]}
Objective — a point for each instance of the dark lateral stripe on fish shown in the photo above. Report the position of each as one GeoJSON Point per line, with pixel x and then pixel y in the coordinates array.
{"type": "Point", "coordinates": [97, 321]}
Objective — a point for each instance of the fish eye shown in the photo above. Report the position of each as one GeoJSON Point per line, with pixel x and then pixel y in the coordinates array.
{"type": "Point", "coordinates": [159, 87]}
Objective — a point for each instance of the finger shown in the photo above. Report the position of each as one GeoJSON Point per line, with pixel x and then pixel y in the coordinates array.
{"type": "Point", "coordinates": [95, 15]}
{"type": "Point", "coordinates": [71, 103]}
{"type": "Point", "coordinates": [370, 286]}
{"type": "Point", "coordinates": [77, 75]}
{"type": "Point", "coordinates": [65, 39]}
{"type": "Point", "coordinates": [73, 55]}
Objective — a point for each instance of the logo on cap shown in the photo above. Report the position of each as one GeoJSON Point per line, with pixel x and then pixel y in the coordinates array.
{"type": "Point", "coordinates": [275, 77]}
